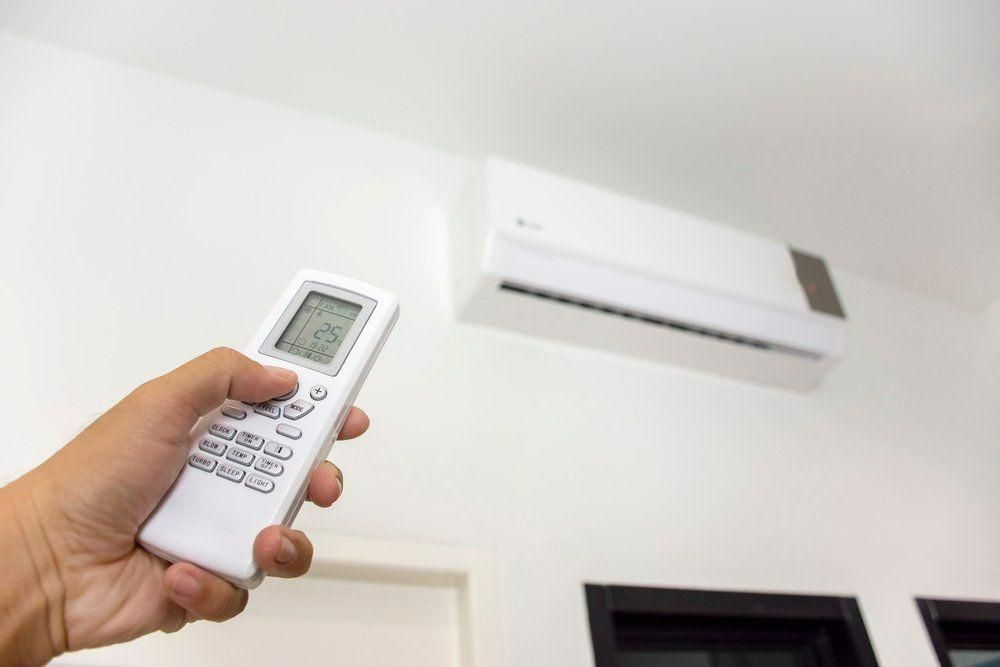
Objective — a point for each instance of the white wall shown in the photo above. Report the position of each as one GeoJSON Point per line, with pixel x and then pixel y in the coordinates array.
{"type": "Point", "coordinates": [145, 219]}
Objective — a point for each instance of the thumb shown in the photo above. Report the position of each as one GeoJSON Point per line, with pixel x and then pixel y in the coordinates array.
{"type": "Point", "coordinates": [131, 455]}
{"type": "Point", "coordinates": [203, 383]}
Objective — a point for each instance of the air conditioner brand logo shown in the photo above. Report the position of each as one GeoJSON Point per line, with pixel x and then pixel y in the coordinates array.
{"type": "Point", "coordinates": [528, 224]}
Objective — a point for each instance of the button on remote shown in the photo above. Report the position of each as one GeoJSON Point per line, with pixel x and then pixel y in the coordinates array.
{"type": "Point", "coordinates": [249, 440]}
{"type": "Point", "coordinates": [234, 412]}
{"type": "Point", "coordinates": [272, 468]}
{"type": "Point", "coordinates": [288, 431]}
{"type": "Point", "coordinates": [268, 410]}
{"type": "Point", "coordinates": [222, 431]}
{"type": "Point", "coordinates": [317, 393]}
{"type": "Point", "coordinates": [211, 446]}
{"type": "Point", "coordinates": [239, 456]}
{"type": "Point", "coordinates": [298, 409]}
{"type": "Point", "coordinates": [260, 484]}
{"type": "Point", "coordinates": [202, 462]}
{"type": "Point", "coordinates": [232, 473]}
{"type": "Point", "coordinates": [285, 397]}
{"type": "Point", "coordinates": [283, 452]}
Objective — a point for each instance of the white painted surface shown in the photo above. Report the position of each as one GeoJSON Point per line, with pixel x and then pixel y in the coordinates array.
{"type": "Point", "coordinates": [868, 131]}
{"type": "Point", "coordinates": [312, 621]}
{"type": "Point", "coordinates": [132, 205]}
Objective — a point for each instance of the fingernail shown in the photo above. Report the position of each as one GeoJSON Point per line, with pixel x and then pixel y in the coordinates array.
{"type": "Point", "coordinates": [186, 586]}
{"type": "Point", "coordinates": [340, 489]}
{"type": "Point", "coordinates": [282, 373]}
{"type": "Point", "coordinates": [287, 552]}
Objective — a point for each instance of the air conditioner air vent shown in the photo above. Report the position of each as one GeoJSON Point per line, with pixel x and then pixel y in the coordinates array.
{"type": "Point", "coordinates": [657, 321]}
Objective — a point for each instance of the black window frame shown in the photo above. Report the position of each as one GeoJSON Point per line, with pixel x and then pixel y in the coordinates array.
{"type": "Point", "coordinates": [606, 603]}
{"type": "Point", "coordinates": [960, 624]}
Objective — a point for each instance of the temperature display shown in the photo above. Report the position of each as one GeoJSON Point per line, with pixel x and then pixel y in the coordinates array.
{"type": "Point", "coordinates": [318, 328]}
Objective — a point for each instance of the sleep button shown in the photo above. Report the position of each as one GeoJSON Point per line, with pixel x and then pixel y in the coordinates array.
{"type": "Point", "coordinates": [288, 431]}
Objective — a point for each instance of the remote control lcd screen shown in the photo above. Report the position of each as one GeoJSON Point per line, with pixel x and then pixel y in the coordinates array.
{"type": "Point", "coordinates": [318, 328]}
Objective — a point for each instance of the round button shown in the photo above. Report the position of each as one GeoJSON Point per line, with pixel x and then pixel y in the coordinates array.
{"type": "Point", "coordinates": [317, 393]}
{"type": "Point", "coordinates": [287, 396]}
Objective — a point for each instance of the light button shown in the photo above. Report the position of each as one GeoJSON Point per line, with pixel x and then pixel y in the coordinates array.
{"type": "Point", "coordinates": [260, 484]}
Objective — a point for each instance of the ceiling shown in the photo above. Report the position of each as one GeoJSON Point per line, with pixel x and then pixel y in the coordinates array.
{"type": "Point", "coordinates": [867, 132]}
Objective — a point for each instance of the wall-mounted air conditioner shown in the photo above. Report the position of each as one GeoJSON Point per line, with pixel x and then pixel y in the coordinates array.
{"type": "Point", "coordinates": [551, 257]}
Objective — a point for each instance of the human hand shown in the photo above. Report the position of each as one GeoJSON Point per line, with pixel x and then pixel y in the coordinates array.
{"type": "Point", "coordinates": [71, 573]}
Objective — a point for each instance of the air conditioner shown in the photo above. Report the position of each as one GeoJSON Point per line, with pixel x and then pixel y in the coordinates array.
{"type": "Point", "coordinates": [547, 256]}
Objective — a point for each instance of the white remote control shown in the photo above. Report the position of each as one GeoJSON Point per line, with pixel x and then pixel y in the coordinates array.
{"type": "Point", "coordinates": [249, 465]}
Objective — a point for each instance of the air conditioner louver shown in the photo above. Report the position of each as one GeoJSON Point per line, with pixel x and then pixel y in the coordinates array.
{"type": "Point", "coordinates": [657, 321]}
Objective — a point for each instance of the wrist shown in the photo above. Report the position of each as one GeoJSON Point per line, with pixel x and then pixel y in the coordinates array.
{"type": "Point", "coordinates": [32, 594]}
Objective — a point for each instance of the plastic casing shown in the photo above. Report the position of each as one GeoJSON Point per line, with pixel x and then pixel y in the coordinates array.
{"type": "Point", "coordinates": [212, 522]}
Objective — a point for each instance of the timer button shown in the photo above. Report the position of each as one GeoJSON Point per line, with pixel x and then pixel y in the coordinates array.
{"type": "Point", "coordinates": [249, 440]}
{"type": "Point", "coordinates": [317, 393]}
{"type": "Point", "coordinates": [272, 468]}
{"type": "Point", "coordinates": [285, 397]}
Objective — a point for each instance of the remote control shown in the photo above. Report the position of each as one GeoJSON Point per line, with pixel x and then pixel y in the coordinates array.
{"type": "Point", "coordinates": [249, 464]}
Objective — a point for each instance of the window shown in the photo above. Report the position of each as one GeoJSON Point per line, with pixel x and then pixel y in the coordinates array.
{"type": "Point", "coordinates": [964, 634]}
{"type": "Point", "coordinates": [652, 627]}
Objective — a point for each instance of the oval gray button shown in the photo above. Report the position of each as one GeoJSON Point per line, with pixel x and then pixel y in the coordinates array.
{"type": "Point", "coordinates": [288, 431]}
{"type": "Point", "coordinates": [260, 484]}
{"type": "Point", "coordinates": [202, 462]}
{"type": "Point", "coordinates": [222, 431]}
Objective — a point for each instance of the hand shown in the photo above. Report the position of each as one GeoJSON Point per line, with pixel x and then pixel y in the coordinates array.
{"type": "Point", "coordinates": [71, 573]}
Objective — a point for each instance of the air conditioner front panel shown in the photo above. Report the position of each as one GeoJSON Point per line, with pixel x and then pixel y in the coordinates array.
{"type": "Point", "coordinates": [548, 257]}
{"type": "Point", "coordinates": [516, 263]}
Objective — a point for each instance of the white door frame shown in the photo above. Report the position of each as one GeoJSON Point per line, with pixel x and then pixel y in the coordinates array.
{"type": "Point", "coordinates": [470, 571]}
